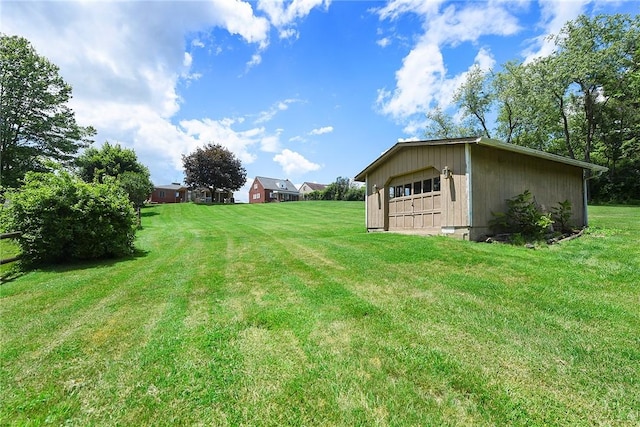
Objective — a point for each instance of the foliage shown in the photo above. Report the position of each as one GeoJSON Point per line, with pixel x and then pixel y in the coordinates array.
{"type": "Point", "coordinates": [95, 165]}
{"type": "Point", "coordinates": [341, 189]}
{"type": "Point", "coordinates": [314, 195]}
{"type": "Point", "coordinates": [475, 97]}
{"type": "Point", "coordinates": [561, 216]}
{"type": "Point", "coordinates": [581, 101]}
{"type": "Point", "coordinates": [137, 185]}
{"type": "Point", "coordinates": [442, 126]}
{"type": "Point", "coordinates": [63, 218]}
{"type": "Point", "coordinates": [354, 194]}
{"type": "Point", "coordinates": [213, 167]}
{"type": "Point", "coordinates": [337, 189]}
{"type": "Point", "coordinates": [37, 125]}
{"type": "Point", "coordinates": [523, 217]}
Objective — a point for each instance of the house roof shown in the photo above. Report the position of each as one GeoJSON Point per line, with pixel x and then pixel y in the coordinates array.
{"type": "Point", "coordinates": [173, 186]}
{"type": "Point", "coordinates": [280, 185]}
{"type": "Point", "coordinates": [479, 141]}
{"type": "Point", "coordinates": [314, 186]}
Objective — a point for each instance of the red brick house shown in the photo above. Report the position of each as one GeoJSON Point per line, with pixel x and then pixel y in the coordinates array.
{"type": "Point", "coordinates": [267, 190]}
{"type": "Point", "coordinates": [170, 193]}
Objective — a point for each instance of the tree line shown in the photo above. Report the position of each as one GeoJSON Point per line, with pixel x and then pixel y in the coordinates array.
{"type": "Point", "coordinates": [341, 189]}
{"type": "Point", "coordinates": [582, 101]}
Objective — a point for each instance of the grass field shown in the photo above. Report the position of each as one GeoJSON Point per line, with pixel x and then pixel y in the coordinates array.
{"type": "Point", "coordinates": [291, 314]}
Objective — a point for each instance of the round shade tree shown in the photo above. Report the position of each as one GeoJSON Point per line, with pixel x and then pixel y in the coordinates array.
{"type": "Point", "coordinates": [213, 167]}
{"type": "Point", "coordinates": [120, 163]}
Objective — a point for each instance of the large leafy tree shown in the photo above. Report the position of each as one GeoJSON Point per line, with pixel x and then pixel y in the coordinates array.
{"type": "Point", "coordinates": [36, 125]}
{"type": "Point", "coordinates": [95, 165]}
{"type": "Point", "coordinates": [213, 167]}
{"type": "Point", "coordinates": [475, 97]}
{"type": "Point", "coordinates": [581, 101]}
{"type": "Point", "coordinates": [443, 126]}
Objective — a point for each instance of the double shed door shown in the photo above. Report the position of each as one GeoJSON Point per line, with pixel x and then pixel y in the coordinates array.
{"type": "Point", "coordinates": [415, 201]}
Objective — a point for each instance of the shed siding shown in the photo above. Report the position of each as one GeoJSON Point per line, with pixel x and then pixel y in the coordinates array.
{"type": "Point", "coordinates": [499, 175]}
{"type": "Point", "coordinates": [415, 159]}
{"type": "Point", "coordinates": [376, 209]}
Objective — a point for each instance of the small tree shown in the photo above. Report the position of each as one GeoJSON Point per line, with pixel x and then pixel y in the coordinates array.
{"type": "Point", "coordinates": [561, 215]}
{"type": "Point", "coordinates": [213, 167]}
{"type": "Point", "coordinates": [63, 218]}
{"type": "Point", "coordinates": [523, 217]}
{"type": "Point", "coordinates": [113, 161]}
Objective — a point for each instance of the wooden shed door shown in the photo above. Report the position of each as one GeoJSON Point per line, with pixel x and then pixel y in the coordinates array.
{"type": "Point", "coordinates": [415, 201]}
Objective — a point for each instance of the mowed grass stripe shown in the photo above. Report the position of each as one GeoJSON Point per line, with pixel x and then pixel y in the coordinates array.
{"type": "Point", "coordinates": [291, 314]}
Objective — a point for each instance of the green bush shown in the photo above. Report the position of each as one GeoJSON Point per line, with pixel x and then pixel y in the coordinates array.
{"type": "Point", "coordinates": [561, 215]}
{"type": "Point", "coordinates": [63, 218]}
{"type": "Point", "coordinates": [523, 217]}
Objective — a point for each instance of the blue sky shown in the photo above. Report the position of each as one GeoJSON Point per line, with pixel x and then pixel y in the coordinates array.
{"type": "Point", "coordinates": [307, 90]}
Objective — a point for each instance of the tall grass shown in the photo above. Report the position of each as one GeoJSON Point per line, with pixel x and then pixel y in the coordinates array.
{"type": "Point", "coordinates": [291, 314]}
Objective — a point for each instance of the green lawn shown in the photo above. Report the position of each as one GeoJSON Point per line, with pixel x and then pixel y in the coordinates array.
{"type": "Point", "coordinates": [291, 314]}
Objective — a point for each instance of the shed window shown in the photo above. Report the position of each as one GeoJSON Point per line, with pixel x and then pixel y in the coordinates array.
{"type": "Point", "coordinates": [417, 187]}
{"type": "Point", "coordinates": [399, 191]}
{"type": "Point", "coordinates": [426, 185]}
{"type": "Point", "coordinates": [162, 194]}
{"type": "Point", "coordinates": [407, 189]}
{"type": "Point", "coordinates": [391, 192]}
{"type": "Point", "coordinates": [436, 183]}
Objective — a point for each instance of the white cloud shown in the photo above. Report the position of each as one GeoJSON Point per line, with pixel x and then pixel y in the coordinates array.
{"type": "Point", "coordinates": [237, 17]}
{"type": "Point", "coordinates": [271, 143]}
{"type": "Point", "coordinates": [188, 60]}
{"type": "Point", "coordinates": [294, 163]}
{"type": "Point", "coordinates": [256, 59]}
{"type": "Point", "coordinates": [125, 70]}
{"type": "Point", "coordinates": [394, 8]}
{"type": "Point", "coordinates": [417, 82]}
{"type": "Point", "coordinates": [322, 130]}
{"type": "Point", "coordinates": [282, 14]}
{"type": "Point", "coordinates": [289, 33]}
{"type": "Point", "coordinates": [554, 15]}
{"type": "Point", "coordinates": [383, 42]}
{"type": "Point", "coordinates": [205, 131]}
{"type": "Point", "coordinates": [268, 115]}
{"type": "Point", "coordinates": [423, 79]}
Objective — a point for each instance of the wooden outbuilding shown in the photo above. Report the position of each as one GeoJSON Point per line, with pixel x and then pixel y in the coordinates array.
{"type": "Point", "coordinates": [452, 186]}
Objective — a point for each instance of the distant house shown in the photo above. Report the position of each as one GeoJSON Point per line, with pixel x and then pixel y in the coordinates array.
{"type": "Point", "coordinates": [452, 186]}
{"type": "Point", "coordinates": [170, 193]}
{"type": "Point", "coordinates": [310, 187]}
{"type": "Point", "coordinates": [266, 190]}
{"type": "Point", "coordinates": [203, 195]}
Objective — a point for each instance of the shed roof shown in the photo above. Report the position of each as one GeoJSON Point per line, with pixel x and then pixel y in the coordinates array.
{"type": "Point", "coordinates": [280, 185]}
{"type": "Point", "coordinates": [479, 141]}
